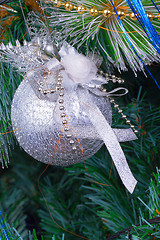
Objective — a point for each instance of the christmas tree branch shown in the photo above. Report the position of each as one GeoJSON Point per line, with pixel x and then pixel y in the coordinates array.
{"type": "Point", "coordinates": [5, 1]}
{"type": "Point", "coordinates": [123, 231]}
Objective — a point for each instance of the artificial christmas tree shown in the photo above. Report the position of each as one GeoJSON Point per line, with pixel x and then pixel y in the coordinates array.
{"type": "Point", "coordinates": [87, 200]}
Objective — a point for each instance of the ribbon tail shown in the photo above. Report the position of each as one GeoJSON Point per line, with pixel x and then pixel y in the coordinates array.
{"type": "Point", "coordinates": [124, 135]}
{"type": "Point", "coordinates": [108, 136]}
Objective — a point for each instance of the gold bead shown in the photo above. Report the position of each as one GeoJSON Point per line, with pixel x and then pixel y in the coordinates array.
{"type": "Point", "coordinates": [69, 135]}
{"type": "Point", "coordinates": [112, 101]}
{"type": "Point", "coordinates": [61, 101]}
{"type": "Point", "coordinates": [57, 3]}
{"type": "Point", "coordinates": [150, 16]}
{"type": "Point", "coordinates": [63, 115]}
{"type": "Point", "coordinates": [45, 91]}
{"type": "Point", "coordinates": [158, 16]}
{"type": "Point", "coordinates": [128, 121]}
{"type": "Point", "coordinates": [61, 108]}
{"type": "Point", "coordinates": [132, 16]}
{"type": "Point", "coordinates": [114, 80]}
{"type": "Point", "coordinates": [71, 142]}
{"type": "Point", "coordinates": [107, 13]}
{"type": "Point", "coordinates": [64, 122]}
{"type": "Point", "coordinates": [74, 148]}
{"type": "Point", "coordinates": [116, 105]}
{"type": "Point", "coordinates": [121, 14]}
{"type": "Point", "coordinates": [68, 6]}
{"type": "Point", "coordinates": [53, 90]}
{"type": "Point", "coordinates": [93, 11]}
{"type": "Point", "coordinates": [80, 9]}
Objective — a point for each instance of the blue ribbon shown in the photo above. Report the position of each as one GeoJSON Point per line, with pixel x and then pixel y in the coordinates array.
{"type": "Point", "coordinates": [139, 19]}
{"type": "Point", "coordinates": [155, 6]}
{"type": "Point", "coordinates": [130, 41]}
{"type": "Point", "coordinates": [3, 227]}
{"type": "Point", "coordinates": [139, 11]}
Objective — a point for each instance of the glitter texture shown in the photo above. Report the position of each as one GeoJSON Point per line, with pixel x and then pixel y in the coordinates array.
{"type": "Point", "coordinates": [41, 126]}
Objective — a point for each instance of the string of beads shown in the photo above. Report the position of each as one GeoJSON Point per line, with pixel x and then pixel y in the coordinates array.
{"type": "Point", "coordinates": [60, 88]}
{"type": "Point", "coordinates": [116, 79]}
{"type": "Point", "coordinates": [107, 13]}
{"type": "Point", "coordinates": [63, 116]}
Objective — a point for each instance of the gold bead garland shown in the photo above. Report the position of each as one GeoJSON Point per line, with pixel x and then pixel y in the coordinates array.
{"type": "Point", "coordinates": [80, 9]}
{"type": "Point", "coordinates": [68, 6]}
{"type": "Point", "coordinates": [93, 11]}
{"type": "Point", "coordinates": [121, 14]}
{"type": "Point", "coordinates": [57, 3]}
{"type": "Point", "coordinates": [106, 13]}
{"type": "Point", "coordinates": [132, 16]}
{"type": "Point", "coordinates": [150, 16]}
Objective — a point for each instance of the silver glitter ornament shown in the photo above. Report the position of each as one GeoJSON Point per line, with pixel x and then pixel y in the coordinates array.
{"type": "Point", "coordinates": [62, 111]}
{"type": "Point", "coordinates": [41, 126]}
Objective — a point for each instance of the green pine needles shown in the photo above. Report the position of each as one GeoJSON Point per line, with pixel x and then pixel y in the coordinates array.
{"type": "Point", "coordinates": [103, 33]}
{"type": "Point", "coordinates": [9, 78]}
{"type": "Point", "coordinates": [8, 232]}
{"type": "Point", "coordinates": [141, 222]}
{"type": "Point", "coordinates": [9, 81]}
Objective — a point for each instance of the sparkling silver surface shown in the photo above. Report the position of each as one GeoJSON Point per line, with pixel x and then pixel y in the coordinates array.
{"type": "Point", "coordinates": [41, 126]}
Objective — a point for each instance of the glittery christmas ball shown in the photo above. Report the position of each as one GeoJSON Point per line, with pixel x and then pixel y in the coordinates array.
{"type": "Point", "coordinates": [58, 130]}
